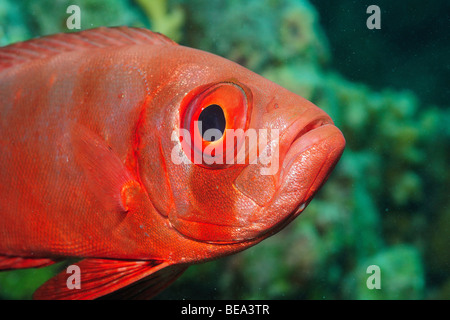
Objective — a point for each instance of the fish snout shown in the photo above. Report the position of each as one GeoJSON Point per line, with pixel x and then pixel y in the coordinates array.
{"type": "Point", "coordinates": [309, 147]}
{"type": "Point", "coordinates": [312, 145]}
{"type": "Point", "coordinates": [304, 132]}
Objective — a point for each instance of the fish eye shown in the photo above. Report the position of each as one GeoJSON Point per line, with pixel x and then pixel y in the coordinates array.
{"type": "Point", "coordinates": [209, 117]}
{"type": "Point", "coordinates": [212, 118]}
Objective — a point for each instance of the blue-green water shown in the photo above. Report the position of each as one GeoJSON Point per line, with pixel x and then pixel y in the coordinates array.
{"type": "Point", "coordinates": [386, 203]}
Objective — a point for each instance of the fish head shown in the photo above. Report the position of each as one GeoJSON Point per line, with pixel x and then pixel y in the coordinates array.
{"type": "Point", "coordinates": [240, 155]}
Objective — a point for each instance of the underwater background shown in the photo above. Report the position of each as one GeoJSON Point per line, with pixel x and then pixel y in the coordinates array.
{"type": "Point", "coordinates": [387, 203]}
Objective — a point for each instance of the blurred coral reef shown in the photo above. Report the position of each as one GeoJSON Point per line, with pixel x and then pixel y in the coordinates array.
{"type": "Point", "coordinates": [387, 201]}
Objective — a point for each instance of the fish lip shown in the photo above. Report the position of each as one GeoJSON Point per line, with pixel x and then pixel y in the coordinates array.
{"type": "Point", "coordinates": [313, 138]}
{"type": "Point", "coordinates": [318, 131]}
{"type": "Point", "coordinates": [307, 122]}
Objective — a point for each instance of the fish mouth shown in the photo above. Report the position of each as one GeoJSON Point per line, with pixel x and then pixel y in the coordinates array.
{"type": "Point", "coordinates": [300, 136]}
{"type": "Point", "coordinates": [311, 146]}
{"type": "Point", "coordinates": [309, 149]}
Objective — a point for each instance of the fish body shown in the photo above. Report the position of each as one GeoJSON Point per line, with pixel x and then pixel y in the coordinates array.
{"type": "Point", "coordinates": [88, 127]}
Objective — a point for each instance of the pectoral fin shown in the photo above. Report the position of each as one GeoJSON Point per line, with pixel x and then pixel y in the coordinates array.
{"type": "Point", "coordinates": [100, 277]}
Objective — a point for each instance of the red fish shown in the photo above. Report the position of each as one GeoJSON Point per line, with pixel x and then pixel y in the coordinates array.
{"type": "Point", "coordinates": [94, 165]}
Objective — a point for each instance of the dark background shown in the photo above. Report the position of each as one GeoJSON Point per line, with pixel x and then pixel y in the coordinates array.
{"type": "Point", "coordinates": [411, 50]}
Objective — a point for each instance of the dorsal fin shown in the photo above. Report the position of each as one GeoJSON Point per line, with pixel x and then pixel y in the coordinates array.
{"type": "Point", "coordinates": [102, 37]}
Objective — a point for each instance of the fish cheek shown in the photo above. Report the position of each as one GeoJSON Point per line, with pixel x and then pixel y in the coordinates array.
{"type": "Point", "coordinates": [210, 209]}
{"type": "Point", "coordinates": [206, 208]}
{"type": "Point", "coordinates": [260, 188]}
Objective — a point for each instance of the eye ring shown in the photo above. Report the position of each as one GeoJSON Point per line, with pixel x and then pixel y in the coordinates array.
{"type": "Point", "coordinates": [225, 107]}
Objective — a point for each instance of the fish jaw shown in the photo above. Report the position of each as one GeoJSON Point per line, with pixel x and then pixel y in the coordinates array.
{"type": "Point", "coordinates": [309, 149]}
{"type": "Point", "coordinates": [317, 151]}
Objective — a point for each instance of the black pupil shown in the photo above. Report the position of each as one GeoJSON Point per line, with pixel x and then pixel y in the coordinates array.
{"type": "Point", "coordinates": [212, 117]}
